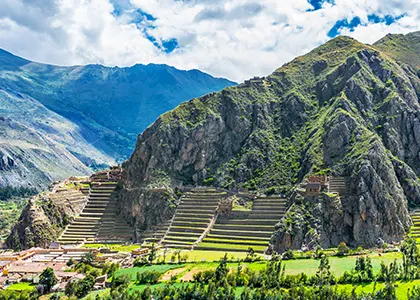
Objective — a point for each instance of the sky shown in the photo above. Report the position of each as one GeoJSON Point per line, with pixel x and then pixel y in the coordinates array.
{"type": "Point", "coordinates": [235, 39]}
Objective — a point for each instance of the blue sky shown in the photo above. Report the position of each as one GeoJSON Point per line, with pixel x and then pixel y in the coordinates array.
{"type": "Point", "coordinates": [236, 39]}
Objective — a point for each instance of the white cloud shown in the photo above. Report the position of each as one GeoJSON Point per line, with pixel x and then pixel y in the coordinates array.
{"type": "Point", "coordinates": [234, 38]}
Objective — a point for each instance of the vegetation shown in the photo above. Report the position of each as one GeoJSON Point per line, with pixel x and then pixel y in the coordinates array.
{"type": "Point", "coordinates": [7, 192]}
{"type": "Point", "coordinates": [271, 281]}
{"type": "Point", "coordinates": [47, 279]}
{"type": "Point", "coordinates": [9, 213]}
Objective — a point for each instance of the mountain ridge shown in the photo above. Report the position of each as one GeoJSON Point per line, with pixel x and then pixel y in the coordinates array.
{"type": "Point", "coordinates": [108, 107]}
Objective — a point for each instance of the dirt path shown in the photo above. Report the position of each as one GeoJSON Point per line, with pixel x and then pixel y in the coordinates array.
{"type": "Point", "coordinates": [167, 276]}
{"type": "Point", "coordinates": [190, 275]}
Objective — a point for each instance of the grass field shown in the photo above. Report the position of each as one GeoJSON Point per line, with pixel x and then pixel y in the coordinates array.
{"type": "Point", "coordinates": [132, 272]}
{"type": "Point", "coordinates": [21, 286]}
{"type": "Point", "coordinates": [401, 288]}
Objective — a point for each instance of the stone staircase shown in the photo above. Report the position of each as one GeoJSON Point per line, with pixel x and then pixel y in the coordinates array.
{"type": "Point", "coordinates": [99, 220]}
{"type": "Point", "coordinates": [415, 229]}
{"type": "Point", "coordinates": [192, 218]}
{"type": "Point", "coordinates": [338, 185]}
{"type": "Point", "coordinates": [249, 230]}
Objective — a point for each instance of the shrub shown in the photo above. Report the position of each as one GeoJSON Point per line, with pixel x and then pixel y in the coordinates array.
{"type": "Point", "coordinates": [342, 249]}
{"type": "Point", "coordinates": [288, 255]}
{"type": "Point", "coordinates": [148, 277]}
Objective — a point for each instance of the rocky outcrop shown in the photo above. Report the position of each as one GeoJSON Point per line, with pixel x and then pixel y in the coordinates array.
{"type": "Point", "coordinates": [44, 217]}
{"type": "Point", "coordinates": [144, 208]}
{"type": "Point", "coordinates": [343, 109]}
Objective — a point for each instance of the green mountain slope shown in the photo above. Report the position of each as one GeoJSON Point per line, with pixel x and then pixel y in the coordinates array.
{"type": "Point", "coordinates": [344, 109]}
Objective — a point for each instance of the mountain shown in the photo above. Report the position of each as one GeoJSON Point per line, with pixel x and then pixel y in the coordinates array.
{"type": "Point", "coordinates": [62, 121]}
{"type": "Point", "coordinates": [345, 109]}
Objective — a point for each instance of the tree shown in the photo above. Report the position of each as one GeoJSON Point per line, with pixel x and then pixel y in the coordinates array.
{"type": "Point", "coordinates": [47, 279]}
{"type": "Point", "coordinates": [152, 254]}
{"type": "Point", "coordinates": [323, 275]}
{"type": "Point", "coordinates": [84, 286]}
{"type": "Point", "coordinates": [221, 270]}
{"type": "Point", "coordinates": [70, 262]}
{"type": "Point", "coordinates": [70, 288]}
{"type": "Point", "coordinates": [88, 258]}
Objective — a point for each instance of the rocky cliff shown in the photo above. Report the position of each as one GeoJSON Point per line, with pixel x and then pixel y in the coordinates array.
{"type": "Point", "coordinates": [344, 109]}
{"type": "Point", "coordinates": [45, 216]}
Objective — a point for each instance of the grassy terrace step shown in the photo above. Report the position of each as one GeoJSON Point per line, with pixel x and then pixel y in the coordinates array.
{"type": "Point", "coordinates": [201, 199]}
{"type": "Point", "coordinates": [191, 224]}
{"type": "Point", "coordinates": [181, 238]}
{"type": "Point", "coordinates": [101, 191]}
{"type": "Point", "coordinates": [176, 246]}
{"type": "Point", "coordinates": [249, 228]}
{"type": "Point", "coordinates": [185, 229]}
{"type": "Point", "coordinates": [198, 206]}
{"type": "Point", "coordinates": [193, 214]}
{"type": "Point", "coordinates": [201, 211]}
{"type": "Point", "coordinates": [191, 219]}
{"type": "Point", "coordinates": [268, 216]}
{"type": "Point", "coordinates": [228, 247]}
{"type": "Point", "coordinates": [175, 242]}
{"type": "Point", "coordinates": [270, 222]}
{"type": "Point", "coordinates": [267, 211]}
{"type": "Point", "coordinates": [237, 242]}
{"type": "Point", "coordinates": [77, 230]}
{"type": "Point", "coordinates": [266, 234]}
{"type": "Point", "coordinates": [180, 233]}
{"type": "Point", "coordinates": [98, 197]}
{"type": "Point", "coordinates": [237, 237]}
{"type": "Point", "coordinates": [82, 235]}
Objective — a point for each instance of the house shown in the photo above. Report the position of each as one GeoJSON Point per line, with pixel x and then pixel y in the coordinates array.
{"type": "Point", "coordinates": [313, 188]}
{"type": "Point", "coordinates": [55, 245]}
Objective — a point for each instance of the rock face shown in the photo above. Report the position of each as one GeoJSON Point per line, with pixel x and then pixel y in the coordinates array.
{"type": "Point", "coordinates": [44, 218]}
{"type": "Point", "coordinates": [344, 109]}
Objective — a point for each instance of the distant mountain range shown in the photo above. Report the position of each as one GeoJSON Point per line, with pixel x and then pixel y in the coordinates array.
{"type": "Point", "coordinates": [61, 121]}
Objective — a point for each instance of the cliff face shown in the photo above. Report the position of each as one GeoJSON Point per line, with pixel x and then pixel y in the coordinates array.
{"type": "Point", "coordinates": [345, 108]}
{"type": "Point", "coordinates": [44, 218]}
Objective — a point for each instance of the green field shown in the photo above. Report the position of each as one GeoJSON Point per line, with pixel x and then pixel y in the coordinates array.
{"type": "Point", "coordinates": [132, 272]}
{"type": "Point", "coordinates": [401, 288]}
{"type": "Point", "coordinates": [21, 286]}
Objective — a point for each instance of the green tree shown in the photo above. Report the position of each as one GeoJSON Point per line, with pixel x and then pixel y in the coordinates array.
{"type": "Point", "coordinates": [47, 279]}
{"type": "Point", "coordinates": [88, 258]}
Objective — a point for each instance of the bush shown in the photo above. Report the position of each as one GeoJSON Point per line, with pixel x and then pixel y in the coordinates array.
{"type": "Point", "coordinates": [342, 249]}
{"type": "Point", "coordinates": [288, 255]}
{"type": "Point", "coordinates": [148, 277]}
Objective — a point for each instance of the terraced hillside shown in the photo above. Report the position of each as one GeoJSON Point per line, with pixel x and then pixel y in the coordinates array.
{"type": "Point", "coordinates": [194, 215]}
{"type": "Point", "coordinates": [155, 234]}
{"type": "Point", "coordinates": [72, 200]}
{"type": "Point", "coordinates": [250, 230]}
{"type": "Point", "coordinates": [99, 220]}
{"type": "Point", "coordinates": [415, 229]}
{"type": "Point", "coordinates": [338, 185]}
